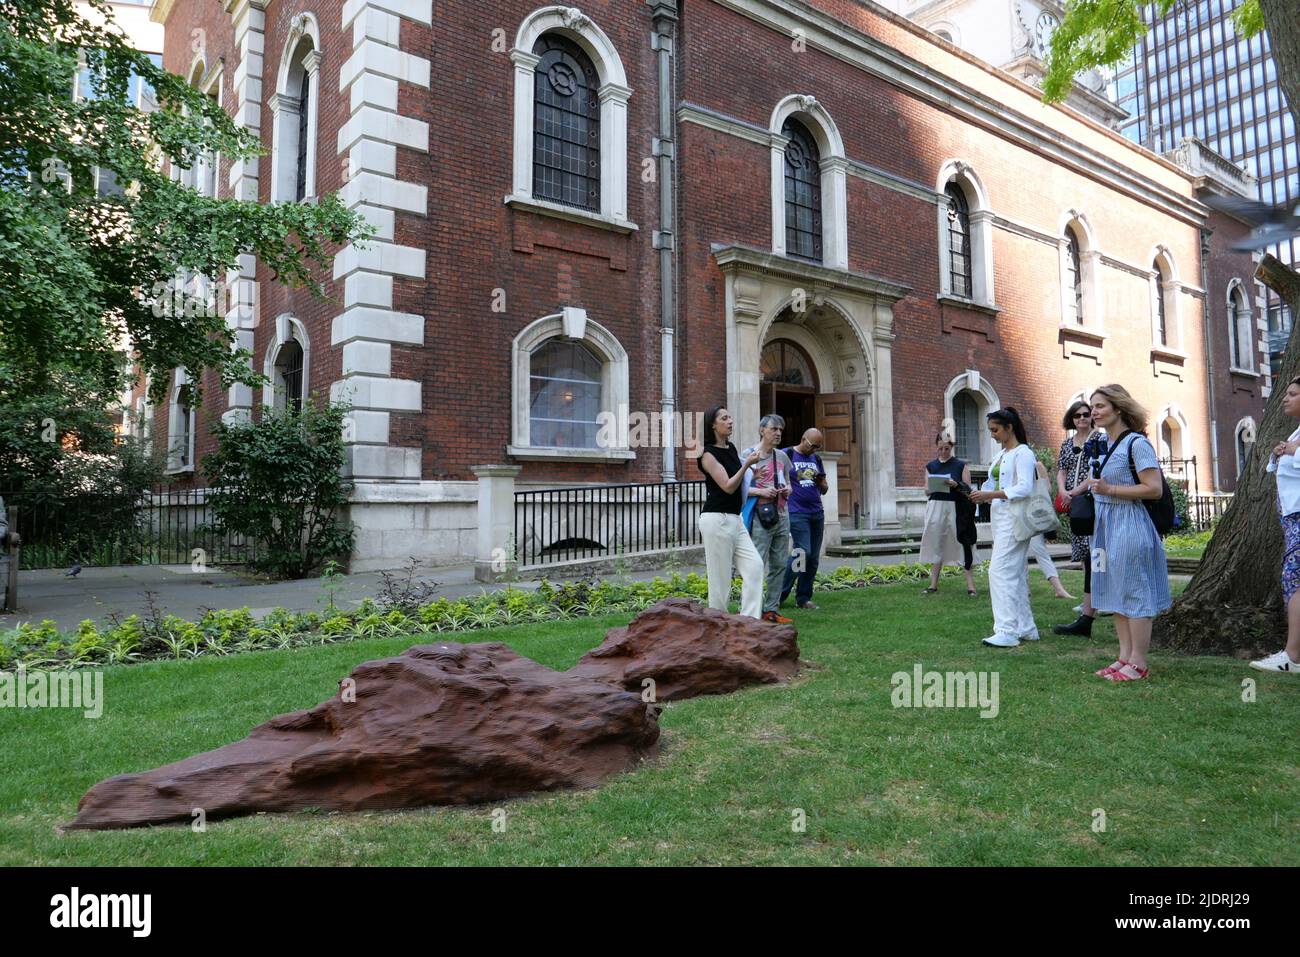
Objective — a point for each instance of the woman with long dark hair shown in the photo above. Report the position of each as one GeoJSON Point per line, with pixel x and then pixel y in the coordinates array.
{"type": "Point", "coordinates": [1010, 479]}
{"type": "Point", "coordinates": [725, 537]}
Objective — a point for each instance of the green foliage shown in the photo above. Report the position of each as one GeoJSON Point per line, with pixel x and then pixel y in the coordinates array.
{"type": "Point", "coordinates": [156, 636]}
{"type": "Point", "coordinates": [80, 272]}
{"type": "Point", "coordinates": [1103, 32]}
{"type": "Point", "coordinates": [1182, 511]}
{"type": "Point", "coordinates": [279, 483]}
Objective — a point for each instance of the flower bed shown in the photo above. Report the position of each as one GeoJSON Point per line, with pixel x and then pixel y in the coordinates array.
{"type": "Point", "coordinates": [156, 636]}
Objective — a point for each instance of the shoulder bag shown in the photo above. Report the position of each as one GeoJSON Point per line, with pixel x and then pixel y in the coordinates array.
{"type": "Point", "coordinates": [1034, 514]}
{"type": "Point", "coordinates": [1083, 510]}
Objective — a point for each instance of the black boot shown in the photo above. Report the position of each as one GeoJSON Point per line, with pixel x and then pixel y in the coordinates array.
{"type": "Point", "coordinates": [1081, 626]}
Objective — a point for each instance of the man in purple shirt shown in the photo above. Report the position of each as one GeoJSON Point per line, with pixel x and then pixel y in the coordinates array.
{"type": "Point", "coordinates": [807, 519]}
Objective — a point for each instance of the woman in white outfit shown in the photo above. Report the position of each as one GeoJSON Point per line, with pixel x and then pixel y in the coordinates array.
{"type": "Point", "coordinates": [1011, 478]}
{"type": "Point", "coordinates": [1285, 464]}
{"type": "Point", "coordinates": [725, 537]}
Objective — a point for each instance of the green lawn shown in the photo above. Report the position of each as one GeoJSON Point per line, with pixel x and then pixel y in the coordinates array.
{"type": "Point", "coordinates": [1185, 771]}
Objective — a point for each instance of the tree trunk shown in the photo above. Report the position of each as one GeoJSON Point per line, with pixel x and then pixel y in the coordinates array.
{"type": "Point", "coordinates": [1282, 24]}
{"type": "Point", "coordinates": [1234, 602]}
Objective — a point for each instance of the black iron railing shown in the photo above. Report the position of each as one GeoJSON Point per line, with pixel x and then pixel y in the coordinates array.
{"type": "Point", "coordinates": [1203, 510]}
{"type": "Point", "coordinates": [165, 526]}
{"type": "Point", "coordinates": [605, 521]}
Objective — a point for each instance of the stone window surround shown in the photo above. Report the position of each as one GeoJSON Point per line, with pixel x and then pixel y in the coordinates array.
{"type": "Point", "coordinates": [1179, 433]}
{"type": "Point", "coordinates": [988, 401]}
{"type": "Point", "coordinates": [1247, 426]}
{"type": "Point", "coordinates": [1168, 290]}
{"type": "Point", "coordinates": [286, 110]}
{"type": "Point", "coordinates": [981, 222]}
{"type": "Point", "coordinates": [174, 467]}
{"type": "Point", "coordinates": [1246, 330]}
{"type": "Point", "coordinates": [834, 172]}
{"type": "Point", "coordinates": [287, 328]}
{"type": "Point", "coordinates": [614, 94]}
{"type": "Point", "coordinates": [570, 323]}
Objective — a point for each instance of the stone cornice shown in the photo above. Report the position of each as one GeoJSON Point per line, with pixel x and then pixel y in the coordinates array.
{"type": "Point", "coordinates": [733, 258]}
{"type": "Point", "coordinates": [845, 42]}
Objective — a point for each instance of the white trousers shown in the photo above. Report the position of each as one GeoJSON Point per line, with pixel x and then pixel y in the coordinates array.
{"type": "Point", "coordinates": [1038, 548]}
{"type": "Point", "coordinates": [726, 540]}
{"type": "Point", "coordinates": [1009, 578]}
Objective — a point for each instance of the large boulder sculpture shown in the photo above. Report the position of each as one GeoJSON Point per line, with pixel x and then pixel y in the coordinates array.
{"type": "Point", "coordinates": [687, 650]}
{"type": "Point", "coordinates": [438, 724]}
{"type": "Point", "coordinates": [461, 724]}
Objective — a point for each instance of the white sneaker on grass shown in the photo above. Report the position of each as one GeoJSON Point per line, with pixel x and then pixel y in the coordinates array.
{"type": "Point", "coordinates": [1030, 637]}
{"type": "Point", "coordinates": [1078, 609]}
{"type": "Point", "coordinates": [1002, 641]}
{"type": "Point", "coordinates": [1278, 662]}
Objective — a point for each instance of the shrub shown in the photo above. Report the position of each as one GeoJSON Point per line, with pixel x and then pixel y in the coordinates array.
{"type": "Point", "coordinates": [279, 482]}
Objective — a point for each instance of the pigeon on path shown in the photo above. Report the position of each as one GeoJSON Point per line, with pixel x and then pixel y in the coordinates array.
{"type": "Point", "coordinates": [74, 571]}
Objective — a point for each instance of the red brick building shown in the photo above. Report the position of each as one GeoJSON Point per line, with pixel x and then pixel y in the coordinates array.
{"type": "Point", "coordinates": [644, 208]}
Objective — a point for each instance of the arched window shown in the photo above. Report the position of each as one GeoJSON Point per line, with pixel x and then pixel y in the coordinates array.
{"type": "Point", "coordinates": [287, 364]}
{"type": "Point", "coordinates": [1162, 318]}
{"type": "Point", "coordinates": [785, 363]}
{"type": "Point", "coordinates": [564, 396]}
{"type": "Point", "coordinates": [1245, 441]}
{"type": "Point", "coordinates": [943, 35]}
{"type": "Point", "coordinates": [959, 242]}
{"type": "Point", "coordinates": [966, 425]}
{"type": "Point", "coordinates": [803, 193]}
{"type": "Point", "coordinates": [180, 426]}
{"type": "Point", "coordinates": [1239, 329]}
{"type": "Point", "coordinates": [288, 368]}
{"type": "Point", "coordinates": [294, 108]}
{"type": "Point", "coordinates": [566, 124]}
{"type": "Point", "coordinates": [570, 391]}
{"type": "Point", "coordinates": [1074, 279]}
{"type": "Point", "coordinates": [300, 162]}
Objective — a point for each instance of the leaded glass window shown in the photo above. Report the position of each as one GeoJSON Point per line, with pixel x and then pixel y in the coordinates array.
{"type": "Point", "coordinates": [803, 193]}
{"type": "Point", "coordinates": [566, 124]}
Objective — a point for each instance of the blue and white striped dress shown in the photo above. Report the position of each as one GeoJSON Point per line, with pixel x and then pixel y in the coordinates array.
{"type": "Point", "coordinates": [1129, 573]}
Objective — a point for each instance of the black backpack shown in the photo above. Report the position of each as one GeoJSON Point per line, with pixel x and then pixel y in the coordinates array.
{"type": "Point", "coordinates": [1161, 510]}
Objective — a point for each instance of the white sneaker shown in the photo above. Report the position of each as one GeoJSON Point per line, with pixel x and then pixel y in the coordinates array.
{"type": "Point", "coordinates": [1002, 641]}
{"type": "Point", "coordinates": [1033, 637]}
{"type": "Point", "coordinates": [1278, 662]}
{"type": "Point", "coordinates": [1078, 609]}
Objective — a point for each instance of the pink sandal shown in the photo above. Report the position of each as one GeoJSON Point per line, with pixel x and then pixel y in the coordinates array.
{"type": "Point", "coordinates": [1120, 676]}
{"type": "Point", "coordinates": [1110, 669]}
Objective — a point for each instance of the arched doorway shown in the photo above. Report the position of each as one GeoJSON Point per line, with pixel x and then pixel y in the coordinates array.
{"type": "Point", "coordinates": [789, 386]}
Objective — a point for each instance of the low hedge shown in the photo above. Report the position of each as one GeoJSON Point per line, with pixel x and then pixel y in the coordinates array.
{"type": "Point", "coordinates": [156, 636]}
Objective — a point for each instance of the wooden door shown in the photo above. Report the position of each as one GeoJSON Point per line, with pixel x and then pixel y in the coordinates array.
{"type": "Point", "coordinates": [838, 426]}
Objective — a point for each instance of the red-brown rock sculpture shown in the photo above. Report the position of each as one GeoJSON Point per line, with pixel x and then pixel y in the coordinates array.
{"type": "Point", "coordinates": [688, 650]}
{"type": "Point", "coordinates": [461, 724]}
{"type": "Point", "coordinates": [438, 724]}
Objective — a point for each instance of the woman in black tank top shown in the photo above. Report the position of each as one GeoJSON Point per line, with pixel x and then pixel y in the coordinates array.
{"type": "Point", "coordinates": [724, 535]}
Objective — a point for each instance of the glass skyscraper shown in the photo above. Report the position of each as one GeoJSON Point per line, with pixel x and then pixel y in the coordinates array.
{"type": "Point", "coordinates": [1192, 75]}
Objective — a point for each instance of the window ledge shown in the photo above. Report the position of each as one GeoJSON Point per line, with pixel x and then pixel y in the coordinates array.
{"type": "Point", "coordinates": [1168, 354]}
{"type": "Point", "coordinates": [179, 470]}
{"type": "Point", "coordinates": [545, 208]}
{"type": "Point", "coordinates": [962, 303]}
{"type": "Point", "coordinates": [1245, 373]}
{"type": "Point", "coordinates": [529, 453]}
{"type": "Point", "coordinates": [1084, 332]}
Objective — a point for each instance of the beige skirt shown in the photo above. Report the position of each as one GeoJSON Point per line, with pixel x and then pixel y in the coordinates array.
{"type": "Point", "coordinates": [939, 539]}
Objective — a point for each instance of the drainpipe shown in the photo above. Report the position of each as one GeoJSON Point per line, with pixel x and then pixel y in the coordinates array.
{"type": "Point", "coordinates": [662, 41]}
{"type": "Point", "coordinates": [1209, 355]}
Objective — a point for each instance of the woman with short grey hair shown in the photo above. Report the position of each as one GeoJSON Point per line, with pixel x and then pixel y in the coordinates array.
{"type": "Point", "coordinates": [767, 489]}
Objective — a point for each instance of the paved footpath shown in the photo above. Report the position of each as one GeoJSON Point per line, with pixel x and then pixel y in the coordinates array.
{"type": "Point", "coordinates": [97, 593]}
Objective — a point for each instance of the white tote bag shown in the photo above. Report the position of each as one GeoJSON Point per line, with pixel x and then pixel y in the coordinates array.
{"type": "Point", "coordinates": [1036, 514]}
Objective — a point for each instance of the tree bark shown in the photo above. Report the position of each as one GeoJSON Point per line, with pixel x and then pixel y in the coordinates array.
{"type": "Point", "coordinates": [1282, 23]}
{"type": "Point", "coordinates": [1234, 602]}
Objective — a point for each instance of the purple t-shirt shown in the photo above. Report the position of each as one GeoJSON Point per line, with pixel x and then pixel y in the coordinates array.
{"type": "Point", "coordinates": [805, 496]}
